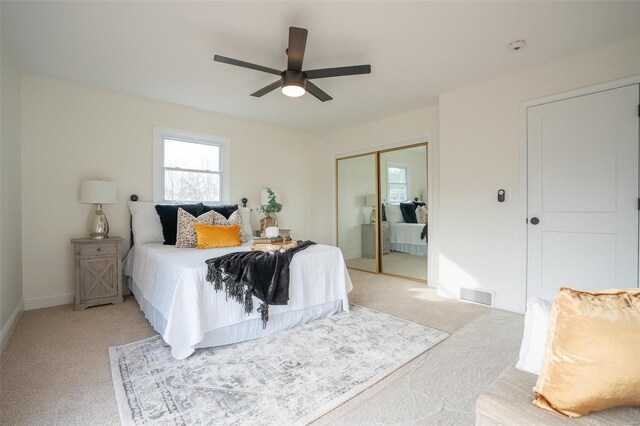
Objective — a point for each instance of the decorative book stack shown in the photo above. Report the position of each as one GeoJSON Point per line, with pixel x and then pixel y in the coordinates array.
{"type": "Point", "coordinates": [264, 240]}
{"type": "Point", "coordinates": [273, 244]}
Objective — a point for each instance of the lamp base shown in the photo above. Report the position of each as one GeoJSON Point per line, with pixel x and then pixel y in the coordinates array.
{"type": "Point", "coordinates": [373, 216]}
{"type": "Point", "coordinates": [98, 225]}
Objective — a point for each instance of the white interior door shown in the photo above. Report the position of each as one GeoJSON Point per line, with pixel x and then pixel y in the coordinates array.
{"type": "Point", "coordinates": [583, 193]}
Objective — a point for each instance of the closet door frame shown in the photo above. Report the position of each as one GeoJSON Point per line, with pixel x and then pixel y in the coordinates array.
{"type": "Point", "coordinates": [421, 140]}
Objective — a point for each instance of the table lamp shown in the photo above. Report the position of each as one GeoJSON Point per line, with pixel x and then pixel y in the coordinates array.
{"type": "Point", "coordinates": [98, 192]}
{"type": "Point", "coordinates": [370, 201]}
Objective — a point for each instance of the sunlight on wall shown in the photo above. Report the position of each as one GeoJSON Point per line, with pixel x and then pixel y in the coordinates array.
{"type": "Point", "coordinates": [456, 277]}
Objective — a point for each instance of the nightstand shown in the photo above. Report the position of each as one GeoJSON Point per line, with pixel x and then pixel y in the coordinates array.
{"type": "Point", "coordinates": [369, 239]}
{"type": "Point", "coordinates": [98, 271]}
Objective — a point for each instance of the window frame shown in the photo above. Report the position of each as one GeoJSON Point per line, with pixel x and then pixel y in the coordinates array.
{"type": "Point", "coordinates": [223, 144]}
{"type": "Point", "coordinates": [406, 184]}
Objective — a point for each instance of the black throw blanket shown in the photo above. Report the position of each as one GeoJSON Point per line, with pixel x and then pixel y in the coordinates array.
{"type": "Point", "coordinates": [264, 275]}
{"type": "Point", "coordinates": [424, 235]}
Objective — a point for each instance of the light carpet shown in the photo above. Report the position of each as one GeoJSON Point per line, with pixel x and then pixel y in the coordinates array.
{"type": "Point", "coordinates": [304, 372]}
{"type": "Point", "coordinates": [440, 387]}
{"type": "Point", "coordinates": [55, 369]}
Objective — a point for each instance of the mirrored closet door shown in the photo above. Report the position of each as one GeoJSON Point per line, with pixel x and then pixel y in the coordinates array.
{"type": "Point", "coordinates": [382, 211]}
{"type": "Point", "coordinates": [403, 194]}
{"type": "Point", "coordinates": [357, 232]}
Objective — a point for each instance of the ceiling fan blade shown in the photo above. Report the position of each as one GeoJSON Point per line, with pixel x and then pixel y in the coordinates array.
{"type": "Point", "coordinates": [244, 64]}
{"type": "Point", "coordinates": [295, 52]}
{"type": "Point", "coordinates": [267, 89]}
{"type": "Point", "coordinates": [338, 72]}
{"type": "Point", "coordinates": [317, 92]}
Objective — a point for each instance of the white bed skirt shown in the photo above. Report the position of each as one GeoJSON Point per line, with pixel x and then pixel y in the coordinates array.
{"type": "Point", "coordinates": [171, 288]}
{"type": "Point", "coordinates": [246, 330]}
{"type": "Point", "coordinates": [416, 250]}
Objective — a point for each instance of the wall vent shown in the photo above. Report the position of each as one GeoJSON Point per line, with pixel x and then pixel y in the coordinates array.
{"type": "Point", "coordinates": [477, 296]}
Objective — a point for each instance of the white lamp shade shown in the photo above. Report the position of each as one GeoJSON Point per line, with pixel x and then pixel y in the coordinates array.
{"type": "Point", "coordinates": [264, 196]}
{"type": "Point", "coordinates": [370, 200]}
{"type": "Point", "coordinates": [97, 192]}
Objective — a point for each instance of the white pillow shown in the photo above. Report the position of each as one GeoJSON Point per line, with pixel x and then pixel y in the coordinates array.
{"type": "Point", "coordinates": [536, 324]}
{"type": "Point", "coordinates": [245, 215]}
{"type": "Point", "coordinates": [145, 223]}
{"type": "Point", "coordinates": [393, 213]}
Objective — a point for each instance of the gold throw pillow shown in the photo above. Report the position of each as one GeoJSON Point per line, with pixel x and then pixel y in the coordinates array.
{"type": "Point", "coordinates": [213, 236]}
{"type": "Point", "coordinates": [234, 219]}
{"type": "Point", "coordinates": [592, 354]}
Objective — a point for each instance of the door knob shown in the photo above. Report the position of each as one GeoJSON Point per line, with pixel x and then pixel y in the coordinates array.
{"type": "Point", "coordinates": [534, 221]}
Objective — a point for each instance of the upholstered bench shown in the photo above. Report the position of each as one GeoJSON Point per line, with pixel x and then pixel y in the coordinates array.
{"type": "Point", "coordinates": [508, 402]}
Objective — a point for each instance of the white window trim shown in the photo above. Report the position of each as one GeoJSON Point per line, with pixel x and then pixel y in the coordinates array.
{"type": "Point", "coordinates": [161, 133]}
{"type": "Point", "coordinates": [408, 176]}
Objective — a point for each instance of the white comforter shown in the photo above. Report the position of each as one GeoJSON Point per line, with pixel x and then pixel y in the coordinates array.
{"type": "Point", "coordinates": [183, 307]}
{"type": "Point", "coordinates": [407, 233]}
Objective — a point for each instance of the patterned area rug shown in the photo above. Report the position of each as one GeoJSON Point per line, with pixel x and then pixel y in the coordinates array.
{"type": "Point", "coordinates": [293, 377]}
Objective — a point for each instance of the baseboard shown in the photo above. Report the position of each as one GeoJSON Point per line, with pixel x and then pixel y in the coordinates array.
{"type": "Point", "coordinates": [48, 301]}
{"type": "Point", "coordinates": [446, 292]}
{"type": "Point", "coordinates": [509, 305]}
{"type": "Point", "coordinates": [8, 328]}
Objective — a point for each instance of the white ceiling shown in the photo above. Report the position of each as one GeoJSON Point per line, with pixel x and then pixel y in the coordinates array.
{"type": "Point", "coordinates": [417, 50]}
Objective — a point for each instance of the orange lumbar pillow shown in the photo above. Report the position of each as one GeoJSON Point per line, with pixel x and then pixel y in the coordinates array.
{"type": "Point", "coordinates": [592, 353]}
{"type": "Point", "coordinates": [212, 236]}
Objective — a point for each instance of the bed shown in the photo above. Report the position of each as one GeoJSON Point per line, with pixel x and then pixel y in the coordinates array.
{"type": "Point", "coordinates": [170, 286]}
{"type": "Point", "coordinates": [406, 238]}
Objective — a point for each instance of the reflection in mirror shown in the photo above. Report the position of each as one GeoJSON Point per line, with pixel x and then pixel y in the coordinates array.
{"type": "Point", "coordinates": [356, 216]}
{"type": "Point", "coordinates": [403, 194]}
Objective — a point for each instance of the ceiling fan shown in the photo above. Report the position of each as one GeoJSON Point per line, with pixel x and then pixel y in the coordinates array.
{"type": "Point", "coordinates": [293, 81]}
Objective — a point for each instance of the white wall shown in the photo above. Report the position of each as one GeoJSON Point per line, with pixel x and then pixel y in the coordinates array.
{"type": "Point", "coordinates": [72, 132]}
{"type": "Point", "coordinates": [480, 240]}
{"type": "Point", "coordinates": [10, 195]}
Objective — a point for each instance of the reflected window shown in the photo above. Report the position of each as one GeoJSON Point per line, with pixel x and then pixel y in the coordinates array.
{"type": "Point", "coordinates": [397, 183]}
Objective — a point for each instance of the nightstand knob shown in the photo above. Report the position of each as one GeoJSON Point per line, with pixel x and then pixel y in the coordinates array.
{"type": "Point", "coordinates": [99, 249]}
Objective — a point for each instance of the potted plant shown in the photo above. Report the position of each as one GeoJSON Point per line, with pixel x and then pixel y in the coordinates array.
{"type": "Point", "coordinates": [270, 209]}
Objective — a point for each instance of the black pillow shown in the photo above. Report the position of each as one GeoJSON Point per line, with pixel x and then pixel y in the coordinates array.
{"type": "Point", "coordinates": [408, 210]}
{"type": "Point", "coordinates": [169, 219]}
{"type": "Point", "coordinates": [225, 211]}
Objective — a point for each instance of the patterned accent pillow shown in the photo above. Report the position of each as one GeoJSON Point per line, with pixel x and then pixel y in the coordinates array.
{"type": "Point", "coordinates": [186, 235]}
{"type": "Point", "coordinates": [422, 214]}
{"type": "Point", "coordinates": [234, 219]}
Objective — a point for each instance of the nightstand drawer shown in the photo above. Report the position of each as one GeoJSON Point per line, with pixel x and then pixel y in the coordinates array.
{"type": "Point", "coordinates": [98, 249]}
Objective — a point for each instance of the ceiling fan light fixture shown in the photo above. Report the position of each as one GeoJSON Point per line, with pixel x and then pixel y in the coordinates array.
{"type": "Point", "coordinates": [293, 81]}
{"type": "Point", "coordinates": [293, 90]}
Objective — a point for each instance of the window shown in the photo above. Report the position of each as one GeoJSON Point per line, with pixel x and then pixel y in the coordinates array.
{"type": "Point", "coordinates": [190, 167]}
{"type": "Point", "coordinates": [397, 184]}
